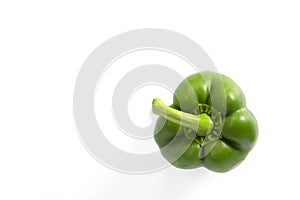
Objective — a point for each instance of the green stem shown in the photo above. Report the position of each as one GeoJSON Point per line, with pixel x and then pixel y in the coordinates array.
{"type": "Point", "coordinates": [201, 124]}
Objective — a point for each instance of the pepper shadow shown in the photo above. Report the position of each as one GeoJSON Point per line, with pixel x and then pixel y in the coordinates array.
{"type": "Point", "coordinates": [169, 183]}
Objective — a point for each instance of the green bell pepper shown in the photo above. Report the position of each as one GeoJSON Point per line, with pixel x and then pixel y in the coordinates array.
{"type": "Point", "coordinates": [208, 125]}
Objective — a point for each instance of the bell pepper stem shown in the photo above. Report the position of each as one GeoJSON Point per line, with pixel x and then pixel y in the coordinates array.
{"type": "Point", "coordinates": [201, 124]}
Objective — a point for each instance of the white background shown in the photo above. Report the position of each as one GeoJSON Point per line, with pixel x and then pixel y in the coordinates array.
{"type": "Point", "coordinates": [43, 45]}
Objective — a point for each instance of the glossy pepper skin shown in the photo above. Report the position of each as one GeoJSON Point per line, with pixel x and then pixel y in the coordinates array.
{"type": "Point", "coordinates": [208, 125]}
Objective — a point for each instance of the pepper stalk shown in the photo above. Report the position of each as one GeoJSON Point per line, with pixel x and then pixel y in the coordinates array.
{"type": "Point", "coordinates": [201, 124]}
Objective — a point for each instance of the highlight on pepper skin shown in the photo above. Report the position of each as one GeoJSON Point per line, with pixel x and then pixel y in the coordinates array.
{"type": "Point", "coordinates": [209, 114]}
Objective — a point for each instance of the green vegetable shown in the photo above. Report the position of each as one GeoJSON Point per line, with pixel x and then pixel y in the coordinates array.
{"type": "Point", "coordinates": [208, 124]}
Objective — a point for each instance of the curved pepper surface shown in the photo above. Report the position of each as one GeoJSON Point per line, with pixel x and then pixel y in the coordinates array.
{"type": "Point", "coordinates": [208, 124]}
